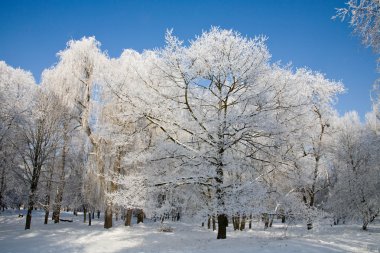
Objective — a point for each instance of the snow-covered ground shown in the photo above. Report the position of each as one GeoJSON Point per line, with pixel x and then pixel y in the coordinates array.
{"type": "Point", "coordinates": [79, 237]}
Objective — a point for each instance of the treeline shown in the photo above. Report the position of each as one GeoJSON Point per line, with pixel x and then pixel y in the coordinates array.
{"type": "Point", "coordinates": [210, 130]}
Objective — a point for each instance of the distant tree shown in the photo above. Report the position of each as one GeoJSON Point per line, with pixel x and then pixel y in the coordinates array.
{"type": "Point", "coordinates": [355, 194]}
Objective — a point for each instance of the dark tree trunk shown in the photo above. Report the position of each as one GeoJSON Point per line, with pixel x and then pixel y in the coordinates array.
{"type": "Point", "coordinates": [108, 216]}
{"type": "Point", "coordinates": [140, 217]}
{"type": "Point", "coordinates": [242, 223]}
{"type": "Point", "coordinates": [2, 188]}
{"type": "Point", "coordinates": [93, 214]}
{"type": "Point", "coordinates": [84, 214]}
{"type": "Point", "coordinates": [98, 214]}
{"type": "Point", "coordinates": [33, 189]}
{"type": "Point", "coordinates": [222, 226]}
{"type": "Point", "coordinates": [271, 220]}
{"type": "Point", "coordinates": [213, 223]}
{"type": "Point", "coordinates": [46, 216]}
{"type": "Point", "coordinates": [28, 218]}
{"type": "Point", "coordinates": [250, 222]}
{"type": "Point", "coordinates": [89, 218]}
{"type": "Point", "coordinates": [128, 217]}
{"type": "Point", "coordinates": [209, 222]}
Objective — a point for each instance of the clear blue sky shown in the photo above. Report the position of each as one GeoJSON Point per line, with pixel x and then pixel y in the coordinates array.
{"type": "Point", "coordinates": [299, 31]}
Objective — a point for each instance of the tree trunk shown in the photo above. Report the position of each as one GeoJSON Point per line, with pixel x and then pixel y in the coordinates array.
{"type": "Point", "coordinates": [271, 220]}
{"type": "Point", "coordinates": [46, 216]}
{"type": "Point", "coordinates": [209, 222]}
{"type": "Point", "coordinates": [61, 184]}
{"type": "Point", "coordinates": [128, 217]}
{"type": "Point", "coordinates": [33, 189]}
{"type": "Point", "coordinates": [242, 223]}
{"type": "Point", "coordinates": [222, 226]}
{"type": "Point", "coordinates": [47, 196]}
{"type": "Point", "coordinates": [2, 188]}
{"type": "Point", "coordinates": [89, 218]}
{"type": "Point", "coordinates": [266, 220]}
{"type": "Point", "coordinates": [98, 214]}
{"type": "Point", "coordinates": [140, 217]}
{"type": "Point", "coordinates": [250, 222]}
{"type": "Point", "coordinates": [29, 217]}
{"type": "Point", "coordinates": [108, 216]}
{"type": "Point", "coordinates": [213, 223]}
{"type": "Point", "coordinates": [84, 214]}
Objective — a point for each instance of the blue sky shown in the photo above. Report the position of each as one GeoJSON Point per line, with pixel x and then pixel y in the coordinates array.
{"type": "Point", "coordinates": [298, 31]}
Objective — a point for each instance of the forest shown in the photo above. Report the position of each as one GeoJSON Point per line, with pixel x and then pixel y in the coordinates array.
{"type": "Point", "coordinates": [210, 131]}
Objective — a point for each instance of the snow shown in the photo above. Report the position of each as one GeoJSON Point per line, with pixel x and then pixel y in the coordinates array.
{"type": "Point", "coordinates": [186, 237]}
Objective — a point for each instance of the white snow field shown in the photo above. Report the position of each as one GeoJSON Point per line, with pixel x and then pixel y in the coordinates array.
{"type": "Point", "coordinates": [79, 237]}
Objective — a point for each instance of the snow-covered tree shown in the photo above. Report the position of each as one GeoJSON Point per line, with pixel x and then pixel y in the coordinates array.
{"type": "Point", "coordinates": [364, 17]}
{"type": "Point", "coordinates": [355, 194]}
{"type": "Point", "coordinates": [16, 89]}
{"type": "Point", "coordinates": [38, 138]}
{"type": "Point", "coordinates": [220, 108]}
{"type": "Point", "coordinates": [76, 78]}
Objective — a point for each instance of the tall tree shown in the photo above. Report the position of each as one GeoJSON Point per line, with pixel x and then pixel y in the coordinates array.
{"type": "Point", "coordinates": [16, 89]}
{"type": "Point", "coordinates": [39, 136]}
{"type": "Point", "coordinates": [219, 105]}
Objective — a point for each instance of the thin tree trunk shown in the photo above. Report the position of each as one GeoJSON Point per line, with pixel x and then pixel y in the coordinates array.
{"type": "Point", "coordinates": [2, 188]}
{"type": "Point", "coordinates": [47, 196]}
{"type": "Point", "coordinates": [61, 185]}
{"type": "Point", "coordinates": [84, 214]}
{"type": "Point", "coordinates": [250, 222]}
